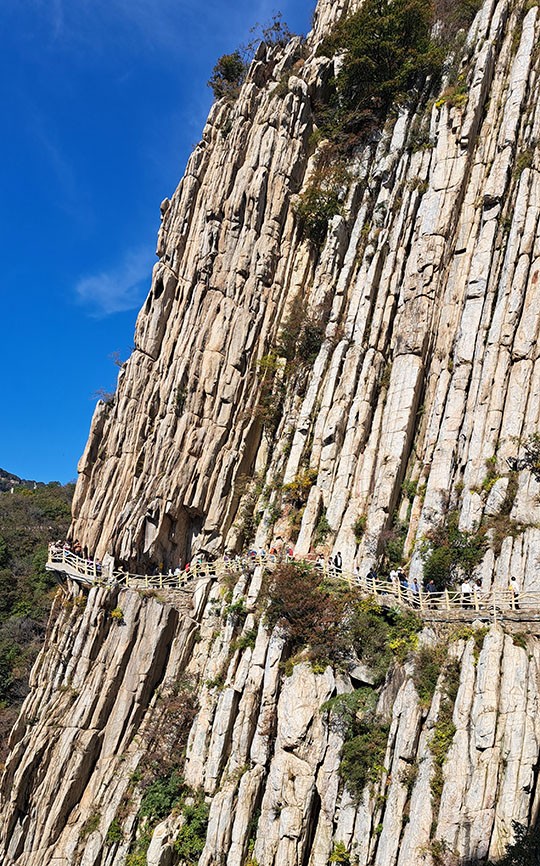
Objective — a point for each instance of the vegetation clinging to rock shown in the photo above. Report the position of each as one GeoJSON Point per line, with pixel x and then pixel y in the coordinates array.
{"type": "Point", "coordinates": [334, 622]}
{"type": "Point", "coordinates": [321, 200]}
{"type": "Point", "coordinates": [230, 71]}
{"type": "Point", "coordinates": [450, 551]}
{"type": "Point", "coordinates": [385, 47]}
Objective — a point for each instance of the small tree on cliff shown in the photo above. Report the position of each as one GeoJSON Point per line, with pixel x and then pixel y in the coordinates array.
{"type": "Point", "coordinates": [228, 76]}
{"type": "Point", "coordinates": [230, 71]}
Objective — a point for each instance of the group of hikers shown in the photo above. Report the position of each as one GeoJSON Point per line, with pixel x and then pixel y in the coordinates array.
{"type": "Point", "coordinates": [75, 547]}
{"type": "Point", "coordinates": [468, 594]}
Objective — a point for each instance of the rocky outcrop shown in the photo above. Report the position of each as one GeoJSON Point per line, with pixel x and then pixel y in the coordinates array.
{"type": "Point", "coordinates": [421, 310]}
{"type": "Point", "coordinates": [426, 293]}
{"type": "Point", "coordinates": [101, 724]}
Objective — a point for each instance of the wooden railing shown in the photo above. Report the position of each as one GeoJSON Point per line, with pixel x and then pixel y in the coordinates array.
{"type": "Point", "coordinates": [91, 572]}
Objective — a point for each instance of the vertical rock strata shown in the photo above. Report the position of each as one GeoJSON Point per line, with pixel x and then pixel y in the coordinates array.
{"type": "Point", "coordinates": [427, 290]}
{"type": "Point", "coordinates": [260, 746]}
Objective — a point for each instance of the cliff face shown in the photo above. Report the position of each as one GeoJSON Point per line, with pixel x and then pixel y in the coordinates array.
{"type": "Point", "coordinates": [419, 380]}
{"type": "Point", "coordinates": [426, 290]}
{"type": "Point", "coordinates": [113, 702]}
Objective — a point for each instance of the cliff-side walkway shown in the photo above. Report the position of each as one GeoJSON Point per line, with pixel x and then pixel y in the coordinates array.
{"type": "Point", "coordinates": [431, 606]}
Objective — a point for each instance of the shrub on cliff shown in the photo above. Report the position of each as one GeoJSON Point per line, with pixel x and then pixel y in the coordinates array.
{"type": "Point", "coordinates": [320, 201]}
{"type": "Point", "coordinates": [449, 552]}
{"type": "Point", "coordinates": [228, 76]}
{"type": "Point", "coordinates": [386, 50]}
{"type": "Point", "coordinates": [191, 837]}
{"type": "Point", "coordinates": [335, 622]}
{"type": "Point", "coordinates": [230, 71]}
{"type": "Point", "coordinates": [310, 611]}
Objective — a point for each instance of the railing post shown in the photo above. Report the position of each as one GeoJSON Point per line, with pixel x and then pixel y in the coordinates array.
{"type": "Point", "coordinates": [399, 590]}
{"type": "Point", "coordinates": [146, 580]}
{"type": "Point", "coordinates": [446, 599]}
{"type": "Point", "coordinates": [512, 599]}
{"type": "Point", "coordinates": [420, 598]}
{"type": "Point", "coordinates": [476, 605]}
{"type": "Point", "coordinates": [160, 580]}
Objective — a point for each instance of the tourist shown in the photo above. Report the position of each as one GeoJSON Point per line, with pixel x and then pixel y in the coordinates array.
{"type": "Point", "coordinates": [371, 579]}
{"type": "Point", "coordinates": [514, 593]}
{"type": "Point", "coordinates": [338, 563]}
{"type": "Point", "coordinates": [414, 590]}
{"type": "Point", "coordinates": [466, 593]}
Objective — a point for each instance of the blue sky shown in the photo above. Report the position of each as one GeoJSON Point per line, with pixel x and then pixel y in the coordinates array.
{"type": "Point", "coordinates": [102, 103]}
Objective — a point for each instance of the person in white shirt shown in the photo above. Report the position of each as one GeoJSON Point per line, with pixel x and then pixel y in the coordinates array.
{"type": "Point", "coordinates": [466, 593]}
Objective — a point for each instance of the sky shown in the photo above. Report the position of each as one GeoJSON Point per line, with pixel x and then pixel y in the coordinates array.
{"type": "Point", "coordinates": [103, 101]}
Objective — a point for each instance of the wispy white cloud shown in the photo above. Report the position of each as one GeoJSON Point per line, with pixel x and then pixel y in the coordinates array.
{"type": "Point", "coordinates": [168, 26]}
{"type": "Point", "coordinates": [121, 288]}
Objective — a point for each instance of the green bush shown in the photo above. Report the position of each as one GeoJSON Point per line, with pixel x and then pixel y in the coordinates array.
{"type": "Point", "coordinates": [333, 620]}
{"type": "Point", "coordinates": [444, 732]}
{"type": "Point", "coordinates": [297, 491]}
{"type": "Point", "coordinates": [449, 551]}
{"type": "Point", "coordinates": [114, 833]}
{"type": "Point", "coordinates": [300, 339]}
{"type": "Point", "coordinates": [246, 640]}
{"type": "Point", "coordinates": [340, 854]}
{"type": "Point", "coordinates": [359, 528]}
{"type": "Point", "coordinates": [321, 200]}
{"type": "Point", "coordinates": [91, 824]}
{"type": "Point", "coordinates": [236, 612]}
{"type": "Point", "coordinates": [387, 50]}
{"type": "Point", "coordinates": [362, 758]}
{"type": "Point", "coordinates": [381, 636]}
{"type": "Point", "coordinates": [191, 837]}
{"type": "Point", "coordinates": [161, 796]}
{"type": "Point", "coordinates": [322, 530]}
{"type": "Point", "coordinates": [228, 75]}
{"type": "Point", "coordinates": [428, 663]}
{"type": "Point", "coordinates": [230, 71]}
{"type": "Point", "coordinates": [346, 709]}
{"type": "Point", "coordinates": [137, 857]}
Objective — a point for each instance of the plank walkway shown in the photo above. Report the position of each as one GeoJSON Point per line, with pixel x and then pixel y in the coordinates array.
{"type": "Point", "coordinates": [440, 606]}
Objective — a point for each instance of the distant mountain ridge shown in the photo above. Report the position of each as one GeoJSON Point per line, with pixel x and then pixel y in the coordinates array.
{"type": "Point", "coordinates": [8, 480]}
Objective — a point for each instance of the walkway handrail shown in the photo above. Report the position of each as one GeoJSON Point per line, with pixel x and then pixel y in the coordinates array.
{"type": "Point", "coordinates": [398, 595]}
